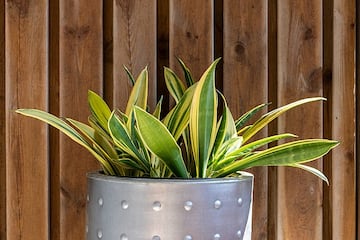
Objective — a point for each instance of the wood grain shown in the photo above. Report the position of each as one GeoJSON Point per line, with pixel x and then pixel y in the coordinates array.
{"type": "Point", "coordinates": [80, 69]}
{"type": "Point", "coordinates": [134, 47]}
{"type": "Point", "coordinates": [27, 176]}
{"type": "Point", "coordinates": [191, 35]}
{"type": "Point", "coordinates": [2, 125]}
{"type": "Point", "coordinates": [343, 124]}
{"type": "Point", "coordinates": [245, 81]}
{"type": "Point", "coordinates": [299, 76]}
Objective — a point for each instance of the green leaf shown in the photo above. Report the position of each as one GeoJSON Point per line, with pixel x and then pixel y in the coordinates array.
{"type": "Point", "coordinates": [174, 85]}
{"type": "Point", "coordinates": [203, 119]}
{"type": "Point", "coordinates": [178, 118]}
{"type": "Point", "coordinates": [69, 131]}
{"type": "Point", "coordinates": [296, 152]}
{"type": "Point", "coordinates": [244, 129]}
{"type": "Point", "coordinates": [160, 142]}
{"type": "Point", "coordinates": [188, 78]}
{"type": "Point", "coordinates": [240, 122]}
{"type": "Point", "coordinates": [122, 139]}
{"type": "Point", "coordinates": [244, 150]}
{"type": "Point", "coordinates": [139, 93]}
{"type": "Point", "coordinates": [267, 118]}
{"type": "Point", "coordinates": [130, 76]}
{"type": "Point", "coordinates": [96, 126]}
{"type": "Point", "coordinates": [157, 111]}
{"type": "Point", "coordinates": [226, 129]}
{"type": "Point", "coordinates": [312, 170]}
{"type": "Point", "coordinates": [130, 164]}
{"type": "Point", "coordinates": [101, 143]}
{"type": "Point", "coordinates": [225, 148]}
{"type": "Point", "coordinates": [99, 109]}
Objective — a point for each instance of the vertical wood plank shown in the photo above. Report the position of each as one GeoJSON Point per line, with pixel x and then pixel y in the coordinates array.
{"type": "Point", "coordinates": [299, 73]}
{"type": "Point", "coordinates": [343, 121]}
{"type": "Point", "coordinates": [80, 69]}
{"type": "Point", "coordinates": [245, 80]}
{"type": "Point", "coordinates": [162, 51]}
{"type": "Point", "coordinates": [134, 46]}
{"type": "Point", "coordinates": [191, 35]}
{"type": "Point", "coordinates": [272, 129]}
{"type": "Point", "coordinates": [108, 82]}
{"type": "Point", "coordinates": [328, 46]}
{"type": "Point", "coordinates": [2, 125]}
{"type": "Point", "coordinates": [357, 91]}
{"type": "Point", "coordinates": [26, 55]}
{"type": "Point", "coordinates": [218, 42]}
{"type": "Point", "coordinates": [54, 109]}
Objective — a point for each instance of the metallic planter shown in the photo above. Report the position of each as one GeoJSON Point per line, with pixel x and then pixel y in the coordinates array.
{"type": "Point", "coordinates": [168, 209]}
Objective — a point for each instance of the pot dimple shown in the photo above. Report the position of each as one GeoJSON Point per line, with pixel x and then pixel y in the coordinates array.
{"type": "Point", "coordinates": [101, 201]}
{"type": "Point", "coordinates": [99, 234]}
{"type": "Point", "coordinates": [156, 206]}
{"type": "Point", "coordinates": [217, 236]}
{"type": "Point", "coordinates": [124, 204]}
{"type": "Point", "coordinates": [124, 237]}
{"type": "Point", "coordinates": [188, 237]}
{"type": "Point", "coordinates": [240, 201]}
{"type": "Point", "coordinates": [188, 205]}
{"type": "Point", "coordinates": [217, 204]}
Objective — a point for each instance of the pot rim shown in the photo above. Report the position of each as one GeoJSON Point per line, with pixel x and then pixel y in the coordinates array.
{"type": "Point", "coordinates": [99, 176]}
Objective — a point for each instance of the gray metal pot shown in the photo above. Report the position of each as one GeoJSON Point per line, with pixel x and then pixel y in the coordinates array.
{"type": "Point", "coordinates": [168, 209]}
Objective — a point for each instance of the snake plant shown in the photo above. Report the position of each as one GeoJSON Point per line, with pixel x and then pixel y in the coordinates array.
{"type": "Point", "coordinates": [193, 140]}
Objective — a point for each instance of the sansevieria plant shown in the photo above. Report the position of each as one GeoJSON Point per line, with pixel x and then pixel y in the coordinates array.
{"type": "Point", "coordinates": [193, 140]}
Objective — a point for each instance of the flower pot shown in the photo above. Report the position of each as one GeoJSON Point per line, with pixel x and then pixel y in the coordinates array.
{"type": "Point", "coordinates": [158, 209]}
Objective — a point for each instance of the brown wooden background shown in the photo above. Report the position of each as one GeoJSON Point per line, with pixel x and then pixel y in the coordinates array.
{"type": "Point", "coordinates": [53, 51]}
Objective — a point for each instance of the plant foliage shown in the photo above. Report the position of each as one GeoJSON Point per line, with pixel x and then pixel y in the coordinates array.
{"type": "Point", "coordinates": [193, 139]}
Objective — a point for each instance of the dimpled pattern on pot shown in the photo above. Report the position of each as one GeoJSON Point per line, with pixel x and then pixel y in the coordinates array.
{"type": "Point", "coordinates": [168, 209]}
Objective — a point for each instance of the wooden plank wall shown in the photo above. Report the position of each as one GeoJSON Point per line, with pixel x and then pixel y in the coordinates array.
{"type": "Point", "coordinates": [80, 69]}
{"type": "Point", "coordinates": [245, 72]}
{"type": "Point", "coordinates": [26, 69]}
{"type": "Point", "coordinates": [299, 76]}
{"type": "Point", "coordinates": [2, 124]}
{"type": "Point", "coordinates": [52, 52]}
{"type": "Point", "coordinates": [343, 114]}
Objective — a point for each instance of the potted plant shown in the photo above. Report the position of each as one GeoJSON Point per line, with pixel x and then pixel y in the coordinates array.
{"type": "Point", "coordinates": [181, 176]}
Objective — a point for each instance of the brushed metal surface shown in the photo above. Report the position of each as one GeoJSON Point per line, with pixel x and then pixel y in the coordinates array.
{"type": "Point", "coordinates": [168, 209]}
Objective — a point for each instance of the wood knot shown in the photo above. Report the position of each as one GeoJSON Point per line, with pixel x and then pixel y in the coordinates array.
{"type": "Point", "coordinates": [191, 36]}
{"type": "Point", "coordinates": [78, 33]}
{"type": "Point", "coordinates": [240, 50]}
{"type": "Point", "coordinates": [309, 34]}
